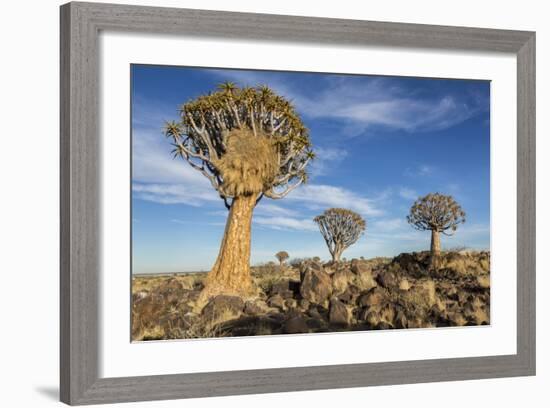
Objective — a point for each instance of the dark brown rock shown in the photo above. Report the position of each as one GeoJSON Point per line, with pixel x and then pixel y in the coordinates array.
{"type": "Point", "coordinates": [316, 286]}
{"type": "Point", "coordinates": [372, 298]}
{"type": "Point", "coordinates": [255, 308]}
{"type": "Point", "coordinates": [276, 301]}
{"type": "Point", "coordinates": [387, 279]}
{"type": "Point", "coordinates": [338, 313]}
{"type": "Point", "coordinates": [296, 324]}
{"type": "Point", "coordinates": [340, 281]}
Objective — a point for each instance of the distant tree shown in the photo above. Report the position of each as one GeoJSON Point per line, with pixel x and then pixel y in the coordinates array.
{"type": "Point", "coordinates": [340, 228]}
{"type": "Point", "coordinates": [437, 213]}
{"type": "Point", "coordinates": [281, 256]}
{"type": "Point", "coordinates": [249, 143]}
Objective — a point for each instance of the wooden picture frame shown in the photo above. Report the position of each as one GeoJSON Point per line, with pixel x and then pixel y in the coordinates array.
{"type": "Point", "coordinates": [80, 234]}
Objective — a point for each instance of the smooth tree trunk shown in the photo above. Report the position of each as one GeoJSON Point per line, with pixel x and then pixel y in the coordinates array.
{"type": "Point", "coordinates": [337, 254]}
{"type": "Point", "coordinates": [230, 274]}
{"type": "Point", "coordinates": [435, 248]}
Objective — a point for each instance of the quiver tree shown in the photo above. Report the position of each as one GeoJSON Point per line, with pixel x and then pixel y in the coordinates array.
{"type": "Point", "coordinates": [249, 143]}
{"type": "Point", "coordinates": [340, 228]}
{"type": "Point", "coordinates": [439, 214]}
{"type": "Point", "coordinates": [281, 256]}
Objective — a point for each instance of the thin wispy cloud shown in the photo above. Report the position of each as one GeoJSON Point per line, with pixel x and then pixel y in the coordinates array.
{"type": "Point", "coordinates": [322, 197]}
{"type": "Point", "coordinates": [370, 102]}
{"type": "Point", "coordinates": [173, 194]}
{"type": "Point", "coordinates": [268, 207]}
{"type": "Point", "coordinates": [326, 159]}
{"type": "Point", "coordinates": [282, 223]}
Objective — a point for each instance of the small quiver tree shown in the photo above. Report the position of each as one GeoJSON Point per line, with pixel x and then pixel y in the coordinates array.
{"type": "Point", "coordinates": [340, 228]}
{"type": "Point", "coordinates": [281, 256]}
{"type": "Point", "coordinates": [439, 214]}
{"type": "Point", "coordinates": [249, 143]}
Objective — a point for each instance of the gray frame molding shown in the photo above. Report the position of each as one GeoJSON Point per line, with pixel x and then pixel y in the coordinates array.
{"type": "Point", "coordinates": [80, 158]}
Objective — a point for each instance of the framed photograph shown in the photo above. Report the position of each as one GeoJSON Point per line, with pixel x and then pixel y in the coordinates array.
{"type": "Point", "coordinates": [295, 198]}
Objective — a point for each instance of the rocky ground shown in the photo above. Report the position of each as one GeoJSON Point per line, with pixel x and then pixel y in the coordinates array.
{"type": "Point", "coordinates": [312, 297]}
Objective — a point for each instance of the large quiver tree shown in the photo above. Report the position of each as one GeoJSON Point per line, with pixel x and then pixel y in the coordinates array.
{"type": "Point", "coordinates": [249, 143]}
{"type": "Point", "coordinates": [340, 228]}
{"type": "Point", "coordinates": [439, 214]}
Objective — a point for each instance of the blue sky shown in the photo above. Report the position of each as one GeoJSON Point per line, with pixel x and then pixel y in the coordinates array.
{"type": "Point", "coordinates": [380, 143]}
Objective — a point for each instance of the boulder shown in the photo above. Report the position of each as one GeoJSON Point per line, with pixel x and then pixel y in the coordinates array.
{"type": "Point", "coordinates": [358, 267]}
{"type": "Point", "coordinates": [400, 321]}
{"type": "Point", "coordinates": [276, 301]}
{"type": "Point", "coordinates": [306, 266]}
{"type": "Point", "coordinates": [340, 281]}
{"type": "Point", "coordinates": [364, 279]}
{"type": "Point", "coordinates": [304, 304]}
{"type": "Point", "coordinates": [294, 325]}
{"type": "Point", "coordinates": [371, 298]}
{"type": "Point", "coordinates": [315, 324]}
{"type": "Point", "coordinates": [387, 279]}
{"type": "Point", "coordinates": [255, 307]}
{"type": "Point", "coordinates": [283, 288]}
{"type": "Point", "coordinates": [291, 303]}
{"type": "Point", "coordinates": [316, 286]}
{"type": "Point", "coordinates": [338, 313]}
{"type": "Point", "coordinates": [387, 313]}
{"type": "Point", "coordinates": [426, 290]}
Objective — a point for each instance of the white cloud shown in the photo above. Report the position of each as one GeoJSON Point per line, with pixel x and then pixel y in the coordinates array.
{"type": "Point", "coordinates": [281, 223]}
{"type": "Point", "coordinates": [160, 178]}
{"type": "Point", "coordinates": [173, 194]}
{"type": "Point", "coordinates": [318, 196]}
{"type": "Point", "coordinates": [326, 158]}
{"type": "Point", "coordinates": [388, 224]}
{"type": "Point", "coordinates": [268, 208]}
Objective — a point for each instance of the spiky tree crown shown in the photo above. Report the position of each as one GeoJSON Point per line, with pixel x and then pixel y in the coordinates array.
{"type": "Point", "coordinates": [248, 131]}
{"type": "Point", "coordinates": [340, 228]}
{"type": "Point", "coordinates": [436, 212]}
{"type": "Point", "coordinates": [282, 256]}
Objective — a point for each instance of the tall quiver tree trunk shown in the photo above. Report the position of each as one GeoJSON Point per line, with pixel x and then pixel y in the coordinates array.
{"type": "Point", "coordinates": [435, 246]}
{"type": "Point", "coordinates": [337, 254]}
{"type": "Point", "coordinates": [231, 271]}
{"type": "Point", "coordinates": [435, 249]}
